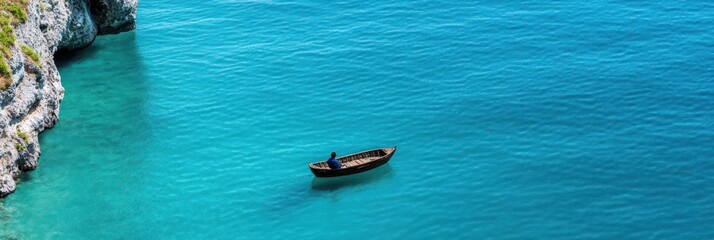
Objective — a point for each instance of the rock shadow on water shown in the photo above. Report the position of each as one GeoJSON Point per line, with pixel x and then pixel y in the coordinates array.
{"type": "Point", "coordinates": [63, 58]}
{"type": "Point", "coordinates": [345, 182]}
{"type": "Point", "coordinates": [96, 147]}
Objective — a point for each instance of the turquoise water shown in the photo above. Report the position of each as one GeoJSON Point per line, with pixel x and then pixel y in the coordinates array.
{"type": "Point", "coordinates": [521, 120]}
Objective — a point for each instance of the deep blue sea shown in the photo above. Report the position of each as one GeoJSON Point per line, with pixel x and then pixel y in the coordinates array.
{"type": "Point", "coordinates": [513, 120]}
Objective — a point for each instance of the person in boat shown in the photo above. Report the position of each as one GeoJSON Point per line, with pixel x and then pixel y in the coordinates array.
{"type": "Point", "coordinates": [332, 162]}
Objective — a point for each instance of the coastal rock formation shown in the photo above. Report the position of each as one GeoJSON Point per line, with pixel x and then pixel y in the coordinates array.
{"type": "Point", "coordinates": [30, 87]}
{"type": "Point", "coordinates": [114, 16]}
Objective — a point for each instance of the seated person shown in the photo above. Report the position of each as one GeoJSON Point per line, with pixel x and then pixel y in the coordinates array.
{"type": "Point", "coordinates": [333, 163]}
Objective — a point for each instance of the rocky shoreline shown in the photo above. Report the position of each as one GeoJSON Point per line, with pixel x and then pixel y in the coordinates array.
{"type": "Point", "coordinates": [32, 90]}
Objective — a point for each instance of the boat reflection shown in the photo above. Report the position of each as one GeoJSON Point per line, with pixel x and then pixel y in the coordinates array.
{"type": "Point", "coordinates": [336, 183]}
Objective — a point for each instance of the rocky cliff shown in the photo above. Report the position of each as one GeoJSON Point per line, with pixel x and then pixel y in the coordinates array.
{"type": "Point", "coordinates": [30, 87]}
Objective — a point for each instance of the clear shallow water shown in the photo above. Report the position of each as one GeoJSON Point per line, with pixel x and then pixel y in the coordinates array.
{"type": "Point", "coordinates": [513, 120]}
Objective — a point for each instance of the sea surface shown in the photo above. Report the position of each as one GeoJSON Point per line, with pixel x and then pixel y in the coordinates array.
{"type": "Point", "coordinates": [513, 120]}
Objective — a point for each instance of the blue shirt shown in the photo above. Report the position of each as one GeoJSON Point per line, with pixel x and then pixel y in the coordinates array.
{"type": "Point", "coordinates": [333, 163]}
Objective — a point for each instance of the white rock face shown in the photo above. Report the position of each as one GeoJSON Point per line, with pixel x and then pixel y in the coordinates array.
{"type": "Point", "coordinates": [31, 103]}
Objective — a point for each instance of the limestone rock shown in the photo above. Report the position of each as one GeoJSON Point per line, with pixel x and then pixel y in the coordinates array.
{"type": "Point", "coordinates": [114, 16]}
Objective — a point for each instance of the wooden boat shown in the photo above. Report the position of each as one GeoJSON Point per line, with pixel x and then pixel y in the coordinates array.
{"type": "Point", "coordinates": [354, 163]}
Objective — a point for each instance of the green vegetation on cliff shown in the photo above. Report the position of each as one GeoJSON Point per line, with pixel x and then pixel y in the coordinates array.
{"type": "Point", "coordinates": [5, 74]}
{"type": "Point", "coordinates": [34, 57]}
{"type": "Point", "coordinates": [12, 12]}
{"type": "Point", "coordinates": [22, 135]}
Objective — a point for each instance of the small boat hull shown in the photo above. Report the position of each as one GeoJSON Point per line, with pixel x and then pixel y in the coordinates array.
{"type": "Point", "coordinates": [326, 172]}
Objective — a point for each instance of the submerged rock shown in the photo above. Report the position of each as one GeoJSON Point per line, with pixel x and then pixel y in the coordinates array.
{"type": "Point", "coordinates": [32, 89]}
